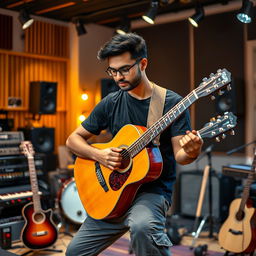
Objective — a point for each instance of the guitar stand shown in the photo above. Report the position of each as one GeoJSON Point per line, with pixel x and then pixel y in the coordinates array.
{"type": "Point", "coordinates": [207, 175]}
{"type": "Point", "coordinates": [44, 250]}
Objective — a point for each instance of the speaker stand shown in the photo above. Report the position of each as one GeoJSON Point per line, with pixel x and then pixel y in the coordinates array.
{"type": "Point", "coordinates": [206, 176]}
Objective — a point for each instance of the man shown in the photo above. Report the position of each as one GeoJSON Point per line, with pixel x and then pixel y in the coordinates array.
{"type": "Point", "coordinates": [146, 217]}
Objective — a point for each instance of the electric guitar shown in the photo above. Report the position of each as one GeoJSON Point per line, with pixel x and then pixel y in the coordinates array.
{"type": "Point", "coordinates": [107, 194]}
{"type": "Point", "coordinates": [237, 234]}
{"type": "Point", "coordinates": [39, 231]}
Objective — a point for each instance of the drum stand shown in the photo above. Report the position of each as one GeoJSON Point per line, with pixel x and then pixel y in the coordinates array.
{"type": "Point", "coordinates": [206, 176]}
{"type": "Point", "coordinates": [63, 222]}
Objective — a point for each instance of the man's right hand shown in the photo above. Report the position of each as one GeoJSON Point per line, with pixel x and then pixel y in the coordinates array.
{"type": "Point", "coordinates": [110, 157]}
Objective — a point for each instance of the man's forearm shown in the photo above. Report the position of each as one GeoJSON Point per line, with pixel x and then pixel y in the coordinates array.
{"type": "Point", "coordinates": [80, 147]}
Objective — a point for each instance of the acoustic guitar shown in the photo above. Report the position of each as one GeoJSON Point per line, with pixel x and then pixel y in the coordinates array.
{"type": "Point", "coordinates": [106, 194]}
{"type": "Point", "coordinates": [39, 231]}
{"type": "Point", "coordinates": [238, 232]}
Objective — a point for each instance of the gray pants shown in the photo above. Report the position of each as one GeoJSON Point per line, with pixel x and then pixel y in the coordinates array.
{"type": "Point", "coordinates": [145, 220]}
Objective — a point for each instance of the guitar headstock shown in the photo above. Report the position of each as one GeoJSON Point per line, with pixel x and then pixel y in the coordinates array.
{"type": "Point", "coordinates": [214, 83]}
{"type": "Point", "coordinates": [218, 126]}
{"type": "Point", "coordinates": [27, 148]}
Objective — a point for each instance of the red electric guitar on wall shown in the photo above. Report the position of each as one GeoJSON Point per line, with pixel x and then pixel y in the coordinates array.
{"type": "Point", "coordinates": [39, 231]}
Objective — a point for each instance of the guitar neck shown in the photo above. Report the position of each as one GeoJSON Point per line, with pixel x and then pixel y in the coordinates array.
{"type": "Point", "coordinates": [34, 184]}
{"type": "Point", "coordinates": [160, 125]}
{"type": "Point", "coordinates": [249, 181]}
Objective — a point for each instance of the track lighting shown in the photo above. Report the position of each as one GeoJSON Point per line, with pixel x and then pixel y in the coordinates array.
{"type": "Point", "coordinates": [152, 12]}
{"type": "Point", "coordinates": [124, 27]}
{"type": "Point", "coordinates": [244, 15]}
{"type": "Point", "coordinates": [80, 27]}
{"type": "Point", "coordinates": [25, 19]}
{"type": "Point", "coordinates": [197, 17]}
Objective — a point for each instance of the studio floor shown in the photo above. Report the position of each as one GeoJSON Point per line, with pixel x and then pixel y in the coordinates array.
{"type": "Point", "coordinates": [121, 246]}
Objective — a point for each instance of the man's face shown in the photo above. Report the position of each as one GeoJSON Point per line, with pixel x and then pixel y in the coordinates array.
{"type": "Point", "coordinates": [128, 75]}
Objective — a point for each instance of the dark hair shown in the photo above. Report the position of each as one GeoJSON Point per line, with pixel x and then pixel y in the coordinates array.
{"type": "Point", "coordinates": [120, 44]}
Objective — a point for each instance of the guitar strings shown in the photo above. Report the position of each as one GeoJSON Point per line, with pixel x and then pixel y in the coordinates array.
{"type": "Point", "coordinates": [146, 135]}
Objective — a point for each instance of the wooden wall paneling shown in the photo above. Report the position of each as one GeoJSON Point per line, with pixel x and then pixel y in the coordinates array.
{"type": "Point", "coordinates": [47, 39]}
{"type": "Point", "coordinates": [2, 80]}
{"type": "Point", "coordinates": [18, 71]}
{"type": "Point", "coordinates": [6, 84]}
{"type": "Point", "coordinates": [26, 82]}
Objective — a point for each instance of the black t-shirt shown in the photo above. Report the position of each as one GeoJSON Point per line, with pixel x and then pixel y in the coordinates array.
{"type": "Point", "coordinates": [120, 108]}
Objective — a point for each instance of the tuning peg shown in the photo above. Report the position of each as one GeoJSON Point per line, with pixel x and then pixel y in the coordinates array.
{"type": "Point", "coordinates": [213, 97]}
{"type": "Point", "coordinates": [229, 88]}
{"type": "Point", "coordinates": [232, 132]}
{"type": "Point", "coordinates": [223, 136]}
{"type": "Point", "coordinates": [212, 74]}
{"type": "Point", "coordinates": [219, 70]}
{"type": "Point", "coordinates": [220, 92]}
{"type": "Point", "coordinates": [217, 139]}
{"type": "Point", "coordinates": [205, 79]}
{"type": "Point", "coordinates": [213, 119]}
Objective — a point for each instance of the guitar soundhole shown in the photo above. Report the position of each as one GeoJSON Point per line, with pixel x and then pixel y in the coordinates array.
{"type": "Point", "coordinates": [118, 177]}
{"type": "Point", "coordinates": [240, 215]}
{"type": "Point", "coordinates": [38, 217]}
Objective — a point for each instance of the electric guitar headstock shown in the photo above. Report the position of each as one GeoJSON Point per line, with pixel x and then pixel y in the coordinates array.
{"type": "Point", "coordinates": [215, 83]}
{"type": "Point", "coordinates": [27, 149]}
{"type": "Point", "coordinates": [219, 126]}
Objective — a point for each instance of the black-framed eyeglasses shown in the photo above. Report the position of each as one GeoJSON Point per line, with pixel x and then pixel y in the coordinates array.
{"type": "Point", "coordinates": [123, 71]}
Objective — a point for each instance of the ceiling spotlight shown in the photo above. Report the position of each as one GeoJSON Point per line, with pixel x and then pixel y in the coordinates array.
{"type": "Point", "coordinates": [197, 17]}
{"type": "Point", "coordinates": [152, 12]}
{"type": "Point", "coordinates": [25, 19]}
{"type": "Point", "coordinates": [124, 27]}
{"type": "Point", "coordinates": [80, 29]}
{"type": "Point", "coordinates": [244, 15]}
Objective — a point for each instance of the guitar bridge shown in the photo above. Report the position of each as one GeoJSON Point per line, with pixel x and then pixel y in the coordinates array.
{"type": "Point", "coordinates": [40, 233]}
{"type": "Point", "coordinates": [235, 232]}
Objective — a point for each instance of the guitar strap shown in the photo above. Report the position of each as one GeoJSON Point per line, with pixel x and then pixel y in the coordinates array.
{"type": "Point", "coordinates": [156, 108]}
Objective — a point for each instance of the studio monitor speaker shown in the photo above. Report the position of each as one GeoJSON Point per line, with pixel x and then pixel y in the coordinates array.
{"type": "Point", "coordinates": [233, 100]}
{"type": "Point", "coordinates": [223, 192]}
{"type": "Point", "coordinates": [42, 138]}
{"type": "Point", "coordinates": [42, 98]}
{"type": "Point", "coordinates": [107, 86]}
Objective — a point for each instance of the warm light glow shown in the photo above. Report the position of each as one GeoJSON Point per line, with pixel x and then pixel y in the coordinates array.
{"type": "Point", "coordinates": [82, 118]}
{"type": "Point", "coordinates": [193, 22]}
{"type": "Point", "coordinates": [84, 96]}
{"type": "Point", "coordinates": [148, 19]}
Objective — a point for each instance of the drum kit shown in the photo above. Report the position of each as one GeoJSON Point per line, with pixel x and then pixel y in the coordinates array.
{"type": "Point", "coordinates": [68, 208]}
{"type": "Point", "coordinates": [69, 202]}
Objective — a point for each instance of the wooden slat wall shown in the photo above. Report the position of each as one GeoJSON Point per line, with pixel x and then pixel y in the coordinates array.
{"type": "Point", "coordinates": [47, 39]}
{"type": "Point", "coordinates": [17, 70]}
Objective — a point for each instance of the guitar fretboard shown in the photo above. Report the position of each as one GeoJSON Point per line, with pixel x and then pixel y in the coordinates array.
{"type": "Point", "coordinates": [34, 184]}
{"type": "Point", "coordinates": [249, 181]}
{"type": "Point", "coordinates": [161, 124]}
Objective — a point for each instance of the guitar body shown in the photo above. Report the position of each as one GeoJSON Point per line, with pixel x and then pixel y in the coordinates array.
{"type": "Point", "coordinates": [113, 199]}
{"type": "Point", "coordinates": [39, 232]}
{"type": "Point", "coordinates": [238, 235]}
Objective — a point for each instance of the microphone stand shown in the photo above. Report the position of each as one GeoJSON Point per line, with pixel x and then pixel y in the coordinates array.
{"type": "Point", "coordinates": [206, 176]}
{"type": "Point", "coordinates": [240, 147]}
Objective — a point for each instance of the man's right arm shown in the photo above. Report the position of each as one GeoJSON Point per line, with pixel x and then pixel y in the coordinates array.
{"type": "Point", "coordinates": [77, 143]}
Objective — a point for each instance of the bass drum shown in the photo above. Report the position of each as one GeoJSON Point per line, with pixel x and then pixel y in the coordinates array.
{"type": "Point", "coordinates": [70, 202]}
